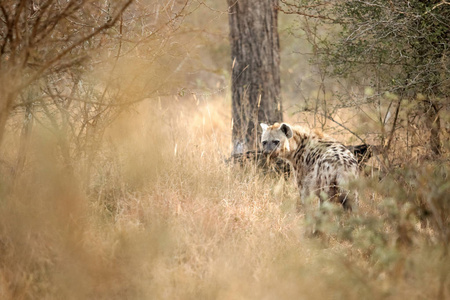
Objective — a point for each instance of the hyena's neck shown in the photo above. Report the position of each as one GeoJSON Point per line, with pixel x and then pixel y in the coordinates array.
{"type": "Point", "coordinates": [300, 142]}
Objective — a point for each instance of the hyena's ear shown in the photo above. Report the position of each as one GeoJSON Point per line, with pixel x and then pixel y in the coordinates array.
{"type": "Point", "coordinates": [264, 126]}
{"type": "Point", "coordinates": [287, 130]}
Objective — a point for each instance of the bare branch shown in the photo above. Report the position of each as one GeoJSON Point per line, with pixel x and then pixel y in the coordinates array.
{"type": "Point", "coordinates": [58, 58]}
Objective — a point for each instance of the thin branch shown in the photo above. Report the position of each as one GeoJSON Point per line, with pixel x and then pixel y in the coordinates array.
{"type": "Point", "coordinates": [49, 64]}
{"type": "Point", "coordinates": [296, 12]}
{"type": "Point", "coordinates": [394, 123]}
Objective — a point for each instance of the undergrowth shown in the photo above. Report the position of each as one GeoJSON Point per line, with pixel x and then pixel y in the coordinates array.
{"type": "Point", "coordinates": [163, 216]}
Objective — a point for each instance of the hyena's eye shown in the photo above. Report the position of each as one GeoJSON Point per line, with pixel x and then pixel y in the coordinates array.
{"type": "Point", "coordinates": [264, 143]}
{"type": "Point", "coordinates": [276, 143]}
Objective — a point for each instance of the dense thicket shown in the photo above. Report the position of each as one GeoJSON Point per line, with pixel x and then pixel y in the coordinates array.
{"type": "Point", "coordinates": [389, 49]}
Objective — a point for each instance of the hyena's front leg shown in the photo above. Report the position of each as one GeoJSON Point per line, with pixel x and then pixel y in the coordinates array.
{"type": "Point", "coordinates": [304, 192]}
{"type": "Point", "coordinates": [309, 191]}
{"type": "Point", "coordinates": [309, 198]}
{"type": "Point", "coordinates": [311, 207]}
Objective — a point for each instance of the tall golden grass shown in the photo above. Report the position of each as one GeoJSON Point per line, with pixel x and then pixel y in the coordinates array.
{"type": "Point", "coordinates": [163, 217]}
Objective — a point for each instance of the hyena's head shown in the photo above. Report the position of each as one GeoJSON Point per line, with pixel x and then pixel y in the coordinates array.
{"type": "Point", "coordinates": [275, 139]}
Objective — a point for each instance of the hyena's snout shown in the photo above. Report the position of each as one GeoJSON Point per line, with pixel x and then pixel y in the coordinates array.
{"type": "Point", "coordinates": [270, 147]}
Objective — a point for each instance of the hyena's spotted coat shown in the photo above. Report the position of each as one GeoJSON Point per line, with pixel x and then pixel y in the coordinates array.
{"type": "Point", "coordinates": [322, 167]}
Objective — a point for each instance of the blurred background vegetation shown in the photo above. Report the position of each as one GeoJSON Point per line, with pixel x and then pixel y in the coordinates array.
{"type": "Point", "coordinates": [115, 122]}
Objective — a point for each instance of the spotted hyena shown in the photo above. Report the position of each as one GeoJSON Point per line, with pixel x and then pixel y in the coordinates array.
{"type": "Point", "coordinates": [322, 167]}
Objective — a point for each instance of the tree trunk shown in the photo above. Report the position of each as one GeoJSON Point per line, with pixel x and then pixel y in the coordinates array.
{"type": "Point", "coordinates": [24, 138]}
{"type": "Point", "coordinates": [255, 55]}
{"type": "Point", "coordinates": [433, 123]}
{"type": "Point", "coordinates": [7, 97]}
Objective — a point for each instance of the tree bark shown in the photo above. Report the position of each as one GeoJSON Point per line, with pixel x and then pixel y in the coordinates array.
{"type": "Point", "coordinates": [24, 139]}
{"type": "Point", "coordinates": [255, 55]}
{"type": "Point", "coordinates": [433, 122]}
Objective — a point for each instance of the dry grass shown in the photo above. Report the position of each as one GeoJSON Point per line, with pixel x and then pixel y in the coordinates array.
{"type": "Point", "coordinates": [165, 218]}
